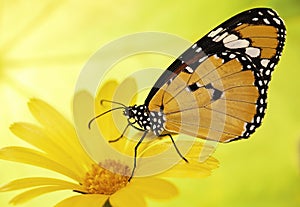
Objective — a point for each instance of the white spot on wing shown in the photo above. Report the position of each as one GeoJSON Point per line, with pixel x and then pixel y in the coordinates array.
{"type": "Point", "coordinates": [198, 84]}
{"type": "Point", "coordinates": [237, 44]}
{"type": "Point", "coordinates": [265, 62]}
{"type": "Point", "coordinates": [270, 12]}
{"type": "Point", "coordinates": [252, 127]}
{"type": "Point", "coordinates": [258, 119]}
{"type": "Point", "coordinates": [266, 21]}
{"type": "Point", "coordinates": [219, 38]}
{"type": "Point", "coordinates": [261, 109]}
{"type": "Point", "coordinates": [261, 101]}
{"type": "Point", "coordinates": [276, 20]}
{"type": "Point", "coordinates": [230, 38]}
{"type": "Point", "coordinates": [214, 33]}
{"type": "Point", "coordinates": [232, 56]}
{"type": "Point", "coordinates": [199, 49]}
{"type": "Point", "coordinates": [253, 51]}
{"type": "Point", "coordinates": [202, 59]}
{"type": "Point", "coordinates": [189, 69]}
{"type": "Point", "coordinates": [268, 72]}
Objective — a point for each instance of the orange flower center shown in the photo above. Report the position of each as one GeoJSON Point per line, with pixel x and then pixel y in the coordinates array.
{"type": "Point", "coordinates": [106, 178]}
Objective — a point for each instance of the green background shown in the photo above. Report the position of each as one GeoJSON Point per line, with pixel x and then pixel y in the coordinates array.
{"type": "Point", "coordinates": [45, 44]}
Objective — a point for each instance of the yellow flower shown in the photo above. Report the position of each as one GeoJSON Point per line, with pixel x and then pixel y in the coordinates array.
{"type": "Point", "coordinates": [57, 148]}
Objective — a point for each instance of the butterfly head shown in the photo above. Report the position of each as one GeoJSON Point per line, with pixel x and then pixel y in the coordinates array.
{"type": "Point", "coordinates": [128, 112]}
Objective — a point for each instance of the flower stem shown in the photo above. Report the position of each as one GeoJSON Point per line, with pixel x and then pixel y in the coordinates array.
{"type": "Point", "coordinates": [107, 204]}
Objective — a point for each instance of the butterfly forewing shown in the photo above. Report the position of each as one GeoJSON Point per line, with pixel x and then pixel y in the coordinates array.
{"type": "Point", "coordinates": [217, 88]}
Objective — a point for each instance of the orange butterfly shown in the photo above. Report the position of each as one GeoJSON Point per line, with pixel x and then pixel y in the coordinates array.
{"type": "Point", "coordinates": [217, 89]}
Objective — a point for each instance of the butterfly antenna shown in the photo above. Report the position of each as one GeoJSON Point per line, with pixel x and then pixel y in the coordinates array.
{"type": "Point", "coordinates": [104, 100]}
{"type": "Point", "coordinates": [96, 117]}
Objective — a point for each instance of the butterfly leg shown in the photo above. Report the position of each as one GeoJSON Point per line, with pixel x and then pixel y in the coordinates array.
{"type": "Point", "coordinates": [129, 124]}
{"type": "Point", "coordinates": [174, 144]}
{"type": "Point", "coordinates": [115, 140]}
{"type": "Point", "coordinates": [142, 130]}
{"type": "Point", "coordinates": [135, 153]}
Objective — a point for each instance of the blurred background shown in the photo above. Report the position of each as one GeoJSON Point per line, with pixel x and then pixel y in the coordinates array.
{"type": "Point", "coordinates": [45, 44]}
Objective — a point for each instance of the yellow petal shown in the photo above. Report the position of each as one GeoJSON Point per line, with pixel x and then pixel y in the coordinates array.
{"type": "Point", "coordinates": [127, 197]}
{"type": "Point", "coordinates": [89, 200]}
{"type": "Point", "coordinates": [38, 137]}
{"type": "Point", "coordinates": [39, 181]}
{"type": "Point", "coordinates": [58, 128]}
{"type": "Point", "coordinates": [32, 157]}
{"type": "Point", "coordinates": [193, 169]}
{"type": "Point", "coordinates": [156, 146]}
{"type": "Point", "coordinates": [126, 91]}
{"type": "Point", "coordinates": [113, 124]}
{"type": "Point", "coordinates": [106, 122]}
{"type": "Point", "coordinates": [195, 147]}
{"type": "Point", "coordinates": [49, 117]}
{"type": "Point", "coordinates": [35, 136]}
{"type": "Point", "coordinates": [154, 188]}
{"type": "Point", "coordinates": [106, 92]}
{"type": "Point", "coordinates": [30, 194]}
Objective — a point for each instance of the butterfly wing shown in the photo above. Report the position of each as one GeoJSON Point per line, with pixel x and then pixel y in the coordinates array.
{"type": "Point", "coordinates": [217, 88]}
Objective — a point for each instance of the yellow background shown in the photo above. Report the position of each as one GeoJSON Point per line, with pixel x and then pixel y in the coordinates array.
{"type": "Point", "coordinates": [45, 44]}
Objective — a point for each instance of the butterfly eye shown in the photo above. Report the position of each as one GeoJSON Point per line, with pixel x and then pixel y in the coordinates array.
{"type": "Point", "coordinates": [127, 112]}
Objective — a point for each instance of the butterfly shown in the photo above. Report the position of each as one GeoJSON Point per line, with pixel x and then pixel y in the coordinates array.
{"type": "Point", "coordinates": [217, 89]}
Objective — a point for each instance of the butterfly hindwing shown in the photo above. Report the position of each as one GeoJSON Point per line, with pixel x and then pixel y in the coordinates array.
{"type": "Point", "coordinates": [217, 88]}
